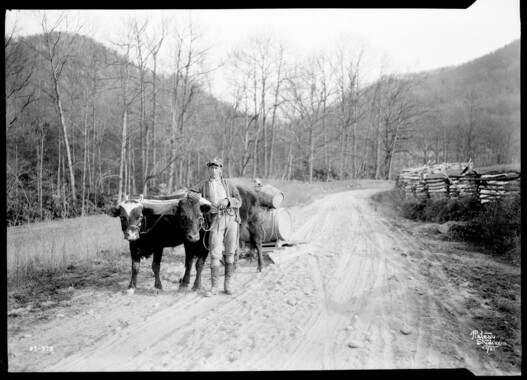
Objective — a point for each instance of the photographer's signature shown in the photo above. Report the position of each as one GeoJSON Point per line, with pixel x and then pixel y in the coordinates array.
{"type": "Point", "coordinates": [486, 339]}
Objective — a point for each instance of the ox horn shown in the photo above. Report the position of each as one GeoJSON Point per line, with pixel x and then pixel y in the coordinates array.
{"type": "Point", "coordinates": [203, 201]}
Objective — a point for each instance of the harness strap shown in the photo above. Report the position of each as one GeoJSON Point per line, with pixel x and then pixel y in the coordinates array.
{"type": "Point", "coordinates": [202, 222]}
{"type": "Point", "coordinates": [147, 231]}
{"type": "Point", "coordinates": [212, 224]}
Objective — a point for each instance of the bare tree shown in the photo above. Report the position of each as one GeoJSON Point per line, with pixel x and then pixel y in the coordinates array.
{"type": "Point", "coordinates": [277, 101]}
{"type": "Point", "coordinates": [240, 87]}
{"type": "Point", "coordinates": [19, 69]}
{"type": "Point", "coordinates": [125, 45]}
{"type": "Point", "coordinates": [154, 45]}
{"type": "Point", "coordinates": [58, 51]}
{"type": "Point", "coordinates": [188, 60]}
{"type": "Point", "coordinates": [393, 111]}
{"type": "Point", "coordinates": [311, 93]}
{"type": "Point", "coordinates": [141, 59]}
{"type": "Point", "coordinates": [256, 74]}
{"type": "Point", "coordinates": [241, 74]}
{"type": "Point", "coordinates": [469, 124]}
{"type": "Point", "coordinates": [347, 66]}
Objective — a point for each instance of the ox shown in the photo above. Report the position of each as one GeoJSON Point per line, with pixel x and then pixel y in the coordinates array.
{"type": "Point", "coordinates": [250, 227]}
{"type": "Point", "coordinates": [149, 233]}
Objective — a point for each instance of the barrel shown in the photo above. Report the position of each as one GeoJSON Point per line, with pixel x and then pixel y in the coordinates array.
{"type": "Point", "coordinates": [270, 196]}
{"type": "Point", "coordinates": [276, 224]}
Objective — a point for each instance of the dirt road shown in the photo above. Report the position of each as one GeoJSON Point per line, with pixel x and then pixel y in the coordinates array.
{"type": "Point", "coordinates": [354, 297]}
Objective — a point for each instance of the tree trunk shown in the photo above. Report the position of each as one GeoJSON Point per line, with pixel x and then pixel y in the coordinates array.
{"type": "Point", "coordinates": [40, 173]}
{"type": "Point", "coordinates": [378, 153]}
{"type": "Point", "coordinates": [342, 157]}
{"type": "Point", "coordinates": [173, 131]}
{"type": "Point", "coordinates": [127, 174]}
{"type": "Point", "coordinates": [264, 129]}
{"type": "Point", "coordinates": [154, 143]}
{"type": "Point", "coordinates": [257, 127]}
{"type": "Point", "coordinates": [346, 149]}
{"type": "Point", "coordinates": [354, 143]}
{"type": "Point", "coordinates": [391, 158]}
{"type": "Point", "coordinates": [311, 152]}
{"type": "Point", "coordinates": [99, 167]}
{"type": "Point", "coordinates": [324, 134]}
{"type": "Point", "coordinates": [122, 169]}
{"type": "Point", "coordinates": [144, 135]}
{"type": "Point", "coordinates": [58, 104]}
{"type": "Point", "coordinates": [85, 158]}
{"type": "Point", "coordinates": [271, 143]}
{"type": "Point", "coordinates": [290, 157]}
{"type": "Point", "coordinates": [93, 182]}
{"type": "Point", "coordinates": [255, 153]}
{"type": "Point", "coordinates": [273, 119]}
{"type": "Point", "coordinates": [63, 190]}
{"type": "Point", "coordinates": [133, 184]}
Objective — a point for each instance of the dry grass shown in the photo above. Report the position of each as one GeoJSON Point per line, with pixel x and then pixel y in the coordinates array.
{"type": "Point", "coordinates": [43, 248]}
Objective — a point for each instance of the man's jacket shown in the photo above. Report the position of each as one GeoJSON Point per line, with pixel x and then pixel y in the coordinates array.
{"type": "Point", "coordinates": [235, 200]}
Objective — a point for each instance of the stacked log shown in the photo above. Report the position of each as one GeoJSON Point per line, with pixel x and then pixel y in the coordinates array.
{"type": "Point", "coordinates": [430, 180]}
{"type": "Point", "coordinates": [458, 180]}
{"type": "Point", "coordinates": [413, 186]}
{"type": "Point", "coordinates": [498, 185]}
{"type": "Point", "coordinates": [436, 186]}
{"type": "Point", "coordinates": [420, 190]}
{"type": "Point", "coordinates": [411, 181]}
{"type": "Point", "coordinates": [463, 186]}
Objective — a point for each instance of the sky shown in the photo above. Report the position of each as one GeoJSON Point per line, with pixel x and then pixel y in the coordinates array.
{"type": "Point", "coordinates": [409, 40]}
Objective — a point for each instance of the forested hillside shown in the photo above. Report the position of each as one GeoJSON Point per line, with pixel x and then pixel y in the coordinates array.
{"type": "Point", "coordinates": [475, 111]}
{"type": "Point", "coordinates": [87, 124]}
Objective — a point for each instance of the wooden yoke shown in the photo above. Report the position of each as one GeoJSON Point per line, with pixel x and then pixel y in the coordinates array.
{"type": "Point", "coordinates": [164, 204]}
{"type": "Point", "coordinates": [160, 207]}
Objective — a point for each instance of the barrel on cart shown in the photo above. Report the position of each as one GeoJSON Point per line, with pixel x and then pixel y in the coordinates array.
{"type": "Point", "coordinates": [269, 196]}
{"type": "Point", "coordinates": [275, 224]}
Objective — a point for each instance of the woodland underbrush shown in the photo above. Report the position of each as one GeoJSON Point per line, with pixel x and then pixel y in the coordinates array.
{"type": "Point", "coordinates": [494, 227]}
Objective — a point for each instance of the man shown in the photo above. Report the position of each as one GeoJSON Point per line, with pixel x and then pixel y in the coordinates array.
{"type": "Point", "coordinates": [224, 220]}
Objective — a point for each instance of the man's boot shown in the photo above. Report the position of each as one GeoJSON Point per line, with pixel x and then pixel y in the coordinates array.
{"type": "Point", "coordinates": [215, 275]}
{"type": "Point", "coordinates": [229, 271]}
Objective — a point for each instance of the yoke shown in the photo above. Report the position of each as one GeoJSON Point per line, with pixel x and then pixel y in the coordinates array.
{"type": "Point", "coordinates": [163, 205]}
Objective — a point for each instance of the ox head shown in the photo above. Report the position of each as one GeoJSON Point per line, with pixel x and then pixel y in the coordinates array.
{"type": "Point", "coordinates": [190, 216]}
{"type": "Point", "coordinates": [131, 215]}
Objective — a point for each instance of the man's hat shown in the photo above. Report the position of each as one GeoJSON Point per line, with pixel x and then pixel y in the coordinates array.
{"type": "Point", "coordinates": [215, 161]}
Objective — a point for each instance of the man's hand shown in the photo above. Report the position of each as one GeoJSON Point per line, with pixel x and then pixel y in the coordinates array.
{"type": "Point", "coordinates": [223, 204]}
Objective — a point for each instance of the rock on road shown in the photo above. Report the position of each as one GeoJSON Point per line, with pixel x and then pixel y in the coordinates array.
{"type": "Point", "coordinates": [352, 298]}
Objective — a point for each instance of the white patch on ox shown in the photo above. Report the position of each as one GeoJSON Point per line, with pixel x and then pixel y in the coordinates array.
{"type": "Point", "coordinates": [129, 206]}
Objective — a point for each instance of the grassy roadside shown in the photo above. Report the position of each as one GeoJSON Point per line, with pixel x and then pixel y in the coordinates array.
{"type": "Point", "coordinates": [494, 227]}
{"type": "Point", "coordinates": [41, 250]}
